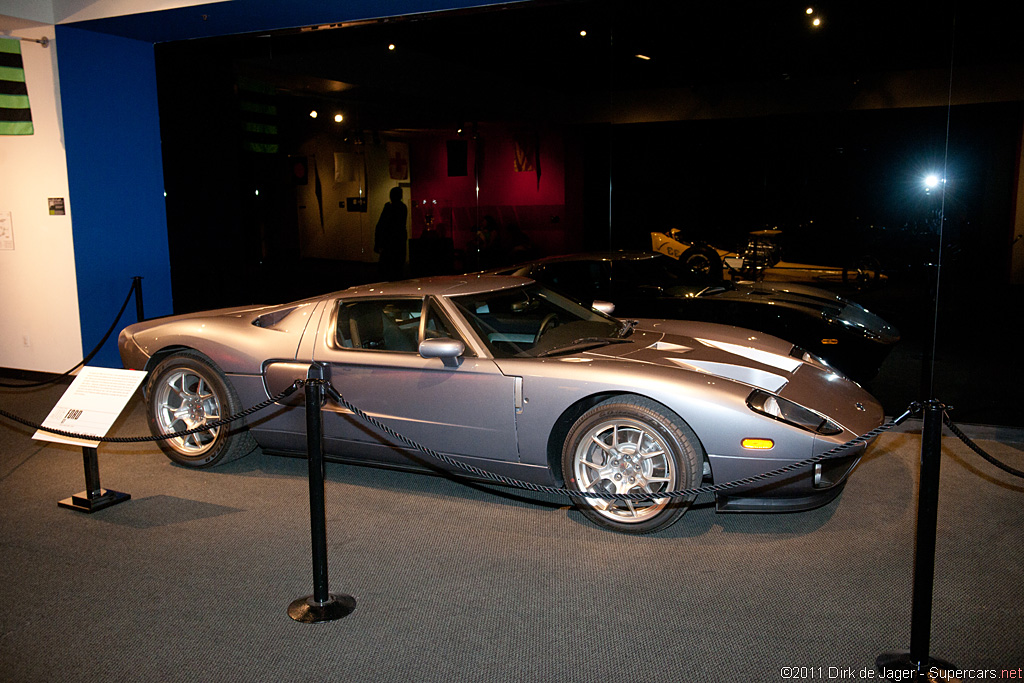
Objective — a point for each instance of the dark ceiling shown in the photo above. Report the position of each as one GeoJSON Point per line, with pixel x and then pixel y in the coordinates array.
{"type": "Point", "coordinates": [530, 61]}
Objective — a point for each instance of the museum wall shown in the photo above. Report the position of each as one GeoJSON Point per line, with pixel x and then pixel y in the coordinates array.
{"type": "Point", "coordinates": [354, 185]}
{"type": "Point", "coordinates": [441, 190]}
{"type": "Point", "coordinates": [527, 195]}
{"type": "Point", "coordinates": [39, 302]}
{"type": "Point", "coordinates": [115, 177]}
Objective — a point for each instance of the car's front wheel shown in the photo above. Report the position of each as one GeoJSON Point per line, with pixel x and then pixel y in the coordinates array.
{"type": "Point", "coordinates": [185, 391]}
{"type": "Point", "coordinates": [631, 444]}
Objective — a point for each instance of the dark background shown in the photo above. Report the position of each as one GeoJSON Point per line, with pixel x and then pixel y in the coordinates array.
{"type": "Point", "coordinates": [743, 119]}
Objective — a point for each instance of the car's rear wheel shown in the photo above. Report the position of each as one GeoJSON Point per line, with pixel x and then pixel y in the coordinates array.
{"type": "Point", "coordinates": [631, 444]}
{"type": "Point", "coordinates": [186, 391]}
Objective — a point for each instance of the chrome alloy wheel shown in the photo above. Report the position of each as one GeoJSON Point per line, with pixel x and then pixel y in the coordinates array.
{"type": "Point", "coordinates": [622, 455]}
{"type": "Point", "coordinates": [184, 400]}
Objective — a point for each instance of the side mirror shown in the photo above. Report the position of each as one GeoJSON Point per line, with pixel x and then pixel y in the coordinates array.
{"type": "Point", "coordinates": [606, 307]}
{"type": "Point", "coordinates": [447, 349]}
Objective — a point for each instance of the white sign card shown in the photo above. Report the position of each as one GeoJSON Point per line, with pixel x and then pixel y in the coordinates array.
{"type": "Point", "coordinates": [6, 231]}
{"type": "Point", "coordinates": [91, 404]}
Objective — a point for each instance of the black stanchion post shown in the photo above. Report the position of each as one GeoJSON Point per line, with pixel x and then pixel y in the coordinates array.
{"type": "Point", "coordinates": [917, 659]}
{"type": "Point", "coordinates": [94, 497]}
{"type": "Point", "coordinates": [322, 605]}
{"type": "Point", "coordinates": [140, 313]}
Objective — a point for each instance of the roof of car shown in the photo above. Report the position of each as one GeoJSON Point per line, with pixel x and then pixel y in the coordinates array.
{"type": "Point", "coordinates": [440, 285]}
{"type": "Point", "coordinates": [622, 255]}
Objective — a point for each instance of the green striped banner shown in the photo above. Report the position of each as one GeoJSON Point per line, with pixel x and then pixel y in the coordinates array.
{"type": "Point", "coordinates": [15, 115]}
{"type": "Point", "coordinates": [257, 107]}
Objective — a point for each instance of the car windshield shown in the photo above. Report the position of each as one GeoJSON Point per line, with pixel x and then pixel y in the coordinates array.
{"type": "Point", "coordinates": [532, 321]}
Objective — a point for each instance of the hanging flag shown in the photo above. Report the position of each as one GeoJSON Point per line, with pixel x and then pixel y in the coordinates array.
{"type": "Point", "coordinates": [398, 160]}
{"type": "Point", "coordinates": [257, 111]}
{"type": "Point", "coordinates": [318, 190]}
{"type": "Point", "coordinates": [15, 115]}
{"type": "Point", "coordinates": [350, 167]}
{"type": "Point", "coordinates": [527, 152]}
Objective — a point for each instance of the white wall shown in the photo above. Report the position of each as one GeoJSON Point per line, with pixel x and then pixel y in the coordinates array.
{"type": "Point", "coordinates": [65, 11]}
{"type": "Point", "coordinates": [38, 290]}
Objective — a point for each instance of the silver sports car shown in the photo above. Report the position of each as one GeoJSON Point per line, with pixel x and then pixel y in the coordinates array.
{"type": "Point", "coordinates": [508, 376]}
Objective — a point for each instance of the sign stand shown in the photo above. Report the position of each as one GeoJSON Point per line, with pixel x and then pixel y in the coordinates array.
{"type": "Point", "coordinates": [88, 409]}
{"type": "Point", "coordinates": [93, 498]}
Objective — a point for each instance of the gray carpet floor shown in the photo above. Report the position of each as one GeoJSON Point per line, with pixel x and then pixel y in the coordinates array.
{"type": "Point", "coordinates": [191, 579]}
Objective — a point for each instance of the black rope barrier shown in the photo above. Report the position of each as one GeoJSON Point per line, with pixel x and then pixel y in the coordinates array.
{"type": "Point", "coordinates": [487, 475]}
{"type": "Point", "coordinates": [640, 496]}
{"type": "Point", "coordinates": [136, 290]}
{"type": "Point", "coordinates": [862, 440]}
{"type": "Point", "coordinates": [168, 435]}
{"type": "Point", "coordinates": [977, 449]}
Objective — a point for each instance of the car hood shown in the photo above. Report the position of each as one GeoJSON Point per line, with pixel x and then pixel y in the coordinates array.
{"type": "Point", "coordinates": [723, 353]}
{"type": "Point", "coordinates": [813, 301]}
{"type": "Point", "coordinates": [740, 355]}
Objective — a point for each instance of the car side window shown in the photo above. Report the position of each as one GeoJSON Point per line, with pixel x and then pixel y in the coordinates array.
{"type": "Point", "coordinates": [436, 325]}
{"type": "Point", "coordinates": [379, 324]}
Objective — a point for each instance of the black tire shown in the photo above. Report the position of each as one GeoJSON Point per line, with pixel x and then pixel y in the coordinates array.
{"type": "Point", "coordinates": [702, 261]}
{"type": "Point", "coordinates": [185, 391]}
{"type": "Point", "coordinates": [647, 448]}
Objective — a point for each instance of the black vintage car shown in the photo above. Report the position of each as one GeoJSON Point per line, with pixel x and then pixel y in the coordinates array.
{"type": "Point", "coordinates": [651, 285]}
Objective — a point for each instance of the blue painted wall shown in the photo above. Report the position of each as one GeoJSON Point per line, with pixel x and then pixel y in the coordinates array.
{"type": "Point", "coordinates": [115, 177]}
{"type": "Point", "coordinates": [112, 140]}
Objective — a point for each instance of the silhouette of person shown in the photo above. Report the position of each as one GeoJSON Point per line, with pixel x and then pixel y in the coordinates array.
{"type": "Point", "coordinates": [390, 237]}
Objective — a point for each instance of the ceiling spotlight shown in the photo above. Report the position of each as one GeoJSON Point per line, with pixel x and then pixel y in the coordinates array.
{"type": "Point", "coordinates": [583, 33]}
{"type": "Point", "coordinates": [810, 10]}
{"type": "Point", "coordinates": [312, 114]}
{"type": "Point", "coordinates": [932, 181]}
{"type": "Point", "coordinates": [338, 118]}
{"type": "Point", "coordinates": [391, 46]}
{"type": "Point", "coordinates": [816, 22]}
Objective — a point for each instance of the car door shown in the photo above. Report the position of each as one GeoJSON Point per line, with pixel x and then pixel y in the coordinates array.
{"type": "Point", "coordinates": [464, 407]}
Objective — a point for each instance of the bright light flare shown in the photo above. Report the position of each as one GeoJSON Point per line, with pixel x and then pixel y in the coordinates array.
{"type": "Point", "coordinates": [932, 181]}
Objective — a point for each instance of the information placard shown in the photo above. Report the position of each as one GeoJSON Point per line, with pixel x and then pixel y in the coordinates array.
{"type": "Point", "coordinates": [91, 404]}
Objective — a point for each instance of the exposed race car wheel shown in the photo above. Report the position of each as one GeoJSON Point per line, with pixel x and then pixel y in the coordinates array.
{"type": "Point", "coordinates": [186, 391]}
{"type": "Point", "coordinates": [631, 444]}
{"type": "Point", "coordinates": [702, 260]}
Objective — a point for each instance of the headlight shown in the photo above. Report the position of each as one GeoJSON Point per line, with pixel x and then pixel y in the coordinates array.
{"type": "Point", "coordinates": [784, 410]}
{"type": "Point", "coordinates": [810, 358]}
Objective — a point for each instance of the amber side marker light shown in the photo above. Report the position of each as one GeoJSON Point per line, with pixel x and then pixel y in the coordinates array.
{"type": "Point", "coordinates": [758, 444]}
{"type": "Point", "coordinates": [829, 341]}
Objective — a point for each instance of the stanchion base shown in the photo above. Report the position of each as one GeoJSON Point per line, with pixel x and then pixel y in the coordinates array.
{"type": "Point", "coordinates": [310, 611]}
{"type": "Point", "coordinates": [932, 670]}
{"type": "Point", "coordinates": [83, 502]}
